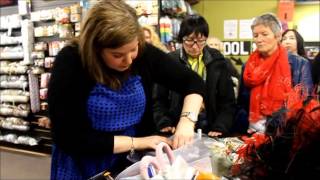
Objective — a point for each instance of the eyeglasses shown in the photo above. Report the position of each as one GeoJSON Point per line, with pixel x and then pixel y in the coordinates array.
{"type": "Point", "coordinates": [191, 42]}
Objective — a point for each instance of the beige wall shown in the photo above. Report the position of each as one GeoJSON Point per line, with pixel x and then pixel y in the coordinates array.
{"type": "Point", "coordinates": [216, 11]}
{"type": "Point", "coordinates": [306, 20]}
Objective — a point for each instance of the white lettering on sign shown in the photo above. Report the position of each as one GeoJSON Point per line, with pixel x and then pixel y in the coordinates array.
{"type": "Point", "coordinates": [227, 48]}
{"type": "Point", "coordinates": [242, 49]}
{"type": "Point", "coordinates": [236, 47]}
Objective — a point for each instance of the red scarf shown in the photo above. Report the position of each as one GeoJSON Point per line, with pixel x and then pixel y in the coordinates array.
{"type": "Point", "coordinates": [270, 81]}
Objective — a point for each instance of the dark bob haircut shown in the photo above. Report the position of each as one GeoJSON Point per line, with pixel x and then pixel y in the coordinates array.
{"type": "Point", "coordinates": [300, 41]}
{"type": "Point", "coordinates": [193, 24]}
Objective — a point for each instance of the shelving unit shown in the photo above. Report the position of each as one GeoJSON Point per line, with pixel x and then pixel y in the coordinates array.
{"type": "Point", "coordinates": [15, 127]}
{"type": "Point", "coordinates": [40, 71]}
{"type": "Point", "coordinates": [171, 14]}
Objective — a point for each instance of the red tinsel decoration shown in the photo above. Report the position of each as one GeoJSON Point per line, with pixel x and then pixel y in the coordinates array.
{"type": "Point", "coordinates": [251, 144]}
{"type": "Point", "coordinates": [308, 127]}
{"type": "Point", "coordinates": [300, 115]}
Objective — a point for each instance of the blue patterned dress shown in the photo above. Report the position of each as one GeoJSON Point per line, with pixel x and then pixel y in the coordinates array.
{"type": "Point", "coordinates": [110, 111]}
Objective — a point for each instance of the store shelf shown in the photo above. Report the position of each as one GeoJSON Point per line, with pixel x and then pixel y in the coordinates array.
{"type": "Point", "coordinates": [13, 29]}
{"type": "Point", "coordinates": [30, 150]}
{"type": "Point", "coordinates": [10, 149]}
{"type": "Point", "coordinates": [10, 44]}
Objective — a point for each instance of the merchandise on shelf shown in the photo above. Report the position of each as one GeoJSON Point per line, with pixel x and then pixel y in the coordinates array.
{"type": "Point", "coordinates": [13, 81]}
{"type": "Point", "coordinates": [13, 138]}
{"type": "Point", "coordinates": [10, 21]}
{"type": "Point", "coordinates": [14, 123]}
{"type": "Point", "coordinates": [21, 110]}
{"type": "Point", "coordinates": [7, 40]}
{"type": "Point", "coordinates": [11, 52]}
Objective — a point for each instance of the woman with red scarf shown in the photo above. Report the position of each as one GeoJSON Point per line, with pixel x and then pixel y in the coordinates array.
{"type": "Point", "coordinates": [270, 73]}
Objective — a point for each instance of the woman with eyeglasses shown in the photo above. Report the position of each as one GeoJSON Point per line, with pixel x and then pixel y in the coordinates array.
{"type": "Point", "coordinates": [216, 116]}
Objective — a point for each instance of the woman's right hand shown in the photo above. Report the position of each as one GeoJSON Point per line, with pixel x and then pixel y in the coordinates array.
{"type": "Point", "coordinates": [150, 142]}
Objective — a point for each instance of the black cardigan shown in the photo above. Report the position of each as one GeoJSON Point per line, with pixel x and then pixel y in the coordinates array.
{"type": "Point", "coordinates": [219, 100]}
{"type": "Point", "coordinates": [70, 86]}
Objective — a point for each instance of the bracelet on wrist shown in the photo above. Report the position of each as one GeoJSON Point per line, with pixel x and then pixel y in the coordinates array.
{"type": "Point", "coordinates": [190, 115]}
{"type": "Point", "coordinates": [132, 148]}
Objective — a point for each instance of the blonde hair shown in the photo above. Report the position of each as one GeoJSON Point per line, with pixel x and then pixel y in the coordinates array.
{"type": "Point", "coordinates": [108, 24]}
{"type": "Point", "coordinates": [155, 40]}
{"type": "Point", "coordinates": [215, 43]}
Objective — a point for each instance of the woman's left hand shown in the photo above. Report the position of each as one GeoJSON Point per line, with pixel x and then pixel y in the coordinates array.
{"type": "Point", "coordinates": [184, 133]}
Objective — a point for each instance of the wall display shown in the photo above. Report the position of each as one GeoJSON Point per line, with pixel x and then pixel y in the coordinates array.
{"type": "Point", "coordinates": [245, 31]}
{"type": "Point", "coordinates": [230, 29]}
{"type": "Point", "coordinates": [285, 10]}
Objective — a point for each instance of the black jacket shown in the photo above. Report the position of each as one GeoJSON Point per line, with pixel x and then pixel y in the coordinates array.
{"type": "Point", "coordinates": [71, 84]}
{"type": "Point", "coordinates": [219, 98]}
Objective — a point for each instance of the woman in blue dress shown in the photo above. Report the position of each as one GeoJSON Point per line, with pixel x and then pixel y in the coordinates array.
{"type": "Point", "coordinates": [100, 94]}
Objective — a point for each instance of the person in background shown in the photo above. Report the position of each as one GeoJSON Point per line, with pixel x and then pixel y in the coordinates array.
{"type": "Point", "coordinates": [171, 46]}
{"type": "Point", "coordinates": [100, 94]}
{"type": "Point", "coordinates": [293, 42]}
{"type": "Point", "coordinates": [270, 73]}
{"type": "Point", "coordinates": [216, 43]}
{"type": "Point", "coordinates": [152, 37]}
{"type": "Point", "coordinates": [216, 117]}
{"type": "Point", "coordinates": [316, 74]}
